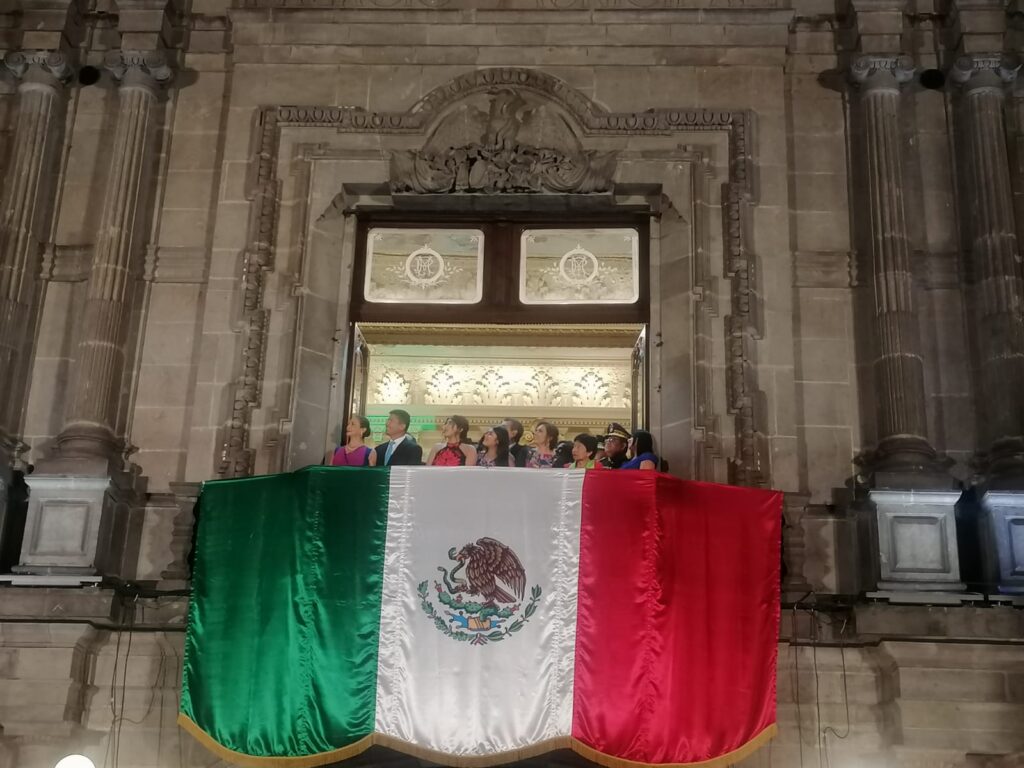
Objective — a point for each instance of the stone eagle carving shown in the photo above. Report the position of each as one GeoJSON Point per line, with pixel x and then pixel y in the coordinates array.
{"type": "Point", "coordinates": [499, 162]}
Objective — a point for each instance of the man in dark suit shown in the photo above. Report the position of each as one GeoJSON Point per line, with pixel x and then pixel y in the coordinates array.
{"type": "Point", "coordinates": [400, 449]}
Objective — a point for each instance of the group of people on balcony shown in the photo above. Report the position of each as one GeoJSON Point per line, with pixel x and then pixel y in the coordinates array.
{"type": "Point", "coordinates": [499, 446]}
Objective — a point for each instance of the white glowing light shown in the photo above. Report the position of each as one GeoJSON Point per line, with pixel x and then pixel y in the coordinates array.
{"type": "Point", "coordinates": [75, 761]}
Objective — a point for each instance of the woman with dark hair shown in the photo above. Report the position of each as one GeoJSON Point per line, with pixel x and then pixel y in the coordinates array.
{"type": "Point", "coordinates": [493, 450]}
{"type": "Point", "coordinates": [355, 452]}
{"type": "Point", "coordinates": [563, 455]}
{"type": "Point", "coordinates": [545, 438]}
{"type": "Point", "coordinates": [455, 451]}
{"type": "Point", "coordinates": [584, 452]}
{"type": "Point", "coordinates": [641, 448]}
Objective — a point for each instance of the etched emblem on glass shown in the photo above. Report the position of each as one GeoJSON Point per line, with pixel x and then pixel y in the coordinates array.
{"type": "Point", "coordinates": [424, 266]}
{"type": "Point", "coordinates": [579, 266]}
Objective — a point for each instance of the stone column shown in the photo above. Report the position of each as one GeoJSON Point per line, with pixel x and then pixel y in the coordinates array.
{"type": "Point", "coordinates": [912, 541]}
{"type": "Point", "coordinates": [995, 270]}
{"type": "Point", "coordinates": [24, 217]}
{"type": "Point", "coordinates": [903, 449]}
{"type": "Point", "coordinates": [90, 427]}
{"type": "Point", "coordinates": [80, 516]}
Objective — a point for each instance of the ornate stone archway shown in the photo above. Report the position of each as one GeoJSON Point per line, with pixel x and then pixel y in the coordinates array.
{"type": "Point", "coordinates": [630, 133]}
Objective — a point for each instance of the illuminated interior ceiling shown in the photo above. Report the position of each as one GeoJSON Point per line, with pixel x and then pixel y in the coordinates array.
{"type": "Point", "coordinates": [578, 377]}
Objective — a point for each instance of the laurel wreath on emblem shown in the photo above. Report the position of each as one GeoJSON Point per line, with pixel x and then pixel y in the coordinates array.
{"type": "Point", "coordinates": [492, 571]}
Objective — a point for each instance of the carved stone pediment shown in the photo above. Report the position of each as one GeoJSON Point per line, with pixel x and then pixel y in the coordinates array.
{"type": "Point", "coordinates": [502, 142]}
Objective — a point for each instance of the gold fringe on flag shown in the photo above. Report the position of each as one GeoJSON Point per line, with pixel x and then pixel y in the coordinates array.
{"type": "Point", "coordinates": [459, 761]}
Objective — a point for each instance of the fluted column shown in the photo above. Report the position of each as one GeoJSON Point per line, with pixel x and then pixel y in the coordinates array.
{"type": "Point", "coordinates": [994, 262]}
{"type": "Point", "coordinates": [89, 429]}
{"type": "Point", "coordinates": [24, 216]}
{"type": "Point", "coordinates": [899, 371]}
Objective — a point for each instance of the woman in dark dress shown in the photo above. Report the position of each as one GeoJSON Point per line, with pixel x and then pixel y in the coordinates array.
{"type": "Point", "coordinates": [455, 451]}
{"type": "Point", "coordinates": [641, 448]}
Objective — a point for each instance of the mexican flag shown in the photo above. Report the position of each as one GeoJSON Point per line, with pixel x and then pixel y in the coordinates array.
{"type": "Point", "coordinates": [472, 616]}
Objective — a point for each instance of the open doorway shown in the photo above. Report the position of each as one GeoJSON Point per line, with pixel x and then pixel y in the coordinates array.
{"type": "Point", "coordinates": [579, 377]}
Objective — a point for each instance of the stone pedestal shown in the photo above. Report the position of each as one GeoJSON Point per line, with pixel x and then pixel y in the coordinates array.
{"type": "Point", "coordinates": [1002, 521]}
{"type": "Point", "coordinates": [914, 541]}
{"type": "Point", "coordinates": [81, 525]}
{"type": "Point", "coordinates": [5, 485]}
{"type": "Point", "coordinates": [178, 572]}
{"type": "Point", "coordinates": [62, 531]}
{"type": "Point", "coordinates": [78, 529]}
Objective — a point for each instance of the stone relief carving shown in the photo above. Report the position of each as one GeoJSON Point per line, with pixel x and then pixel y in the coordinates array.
{"type": "Point", "coordinates": [492, 388]}
{"type": "Point", "coordinates": [488, 151]}
{"type": "Point", "coordinates": [748, 466]}
{"type": "Point", "coordinates": [392, 387]}
{"type": "Point", "coordinates": [591, 390]}
{"type": "Point", "coordinates": [542, 389]}
{"type": "Point", "coordinates": [497, 384]}
{"type": "Point", "coordinates": [443, 386]}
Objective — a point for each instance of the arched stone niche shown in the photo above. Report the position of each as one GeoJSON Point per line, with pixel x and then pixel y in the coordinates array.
{"type": "Point", "coordinates": [314, 168]}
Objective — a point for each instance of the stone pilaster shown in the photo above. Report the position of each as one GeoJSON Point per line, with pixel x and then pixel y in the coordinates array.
{"type": "Point", "coordinates": [903, 455]}
{"type": "Point", "coordinates": [794, 584]}
{"type": "Point", "coordinates": [995, 271]}
{"type": "Point", "coordinates": [90, 429]}
{"type": "Point", "coordinates": [179, 572]}
{"type": "Point", "coordinates": [25, 211]}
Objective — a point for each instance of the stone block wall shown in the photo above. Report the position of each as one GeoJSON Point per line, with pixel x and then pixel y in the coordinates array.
{"type": "Point", "coordinates": [113, 694]}
{"type": "Point", "coordinates": [810, 403]}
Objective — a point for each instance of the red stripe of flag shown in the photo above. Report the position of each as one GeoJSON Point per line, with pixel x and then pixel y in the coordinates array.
{"type": "Point", "coordinates": [678, 617]}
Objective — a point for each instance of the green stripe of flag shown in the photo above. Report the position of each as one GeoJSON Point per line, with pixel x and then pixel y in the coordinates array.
{"type": "Point", "coordinates": [280, 655]}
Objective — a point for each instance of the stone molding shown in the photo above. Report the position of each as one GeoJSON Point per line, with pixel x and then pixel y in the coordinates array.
{"type": "Point", "coordinates": [175, 264]}
{"type": "Point", "coordinates": [632, 6]}
{"type": "Point", "coordinates": [990, 70]}
{"type": "Point", "coordinates": [823, 269]}
{"type": "Point", "coordinates": [744, 324]}
{"type": "Point", "coordinates": [53, 66]}
{"type": "Point", "coordinates": [881, 71]}
{"type": "Point", "coordinates": [66, 263]}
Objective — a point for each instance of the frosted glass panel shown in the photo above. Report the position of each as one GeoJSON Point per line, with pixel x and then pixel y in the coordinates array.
{"type": "Point", "coordinates": [579, 266]}
{"type": "Point", "coordinates": [424, 266]}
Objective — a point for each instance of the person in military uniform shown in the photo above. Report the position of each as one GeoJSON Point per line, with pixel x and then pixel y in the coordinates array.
{"type": "Point", "coordinates": [615, 443]}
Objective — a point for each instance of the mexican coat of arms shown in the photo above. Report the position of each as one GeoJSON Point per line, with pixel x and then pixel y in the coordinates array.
{"type": "Point", "coordinates": [490, 571]}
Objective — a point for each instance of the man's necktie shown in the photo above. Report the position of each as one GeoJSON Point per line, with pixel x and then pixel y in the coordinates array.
{"type": "Point", "coordinates": [390, 451]}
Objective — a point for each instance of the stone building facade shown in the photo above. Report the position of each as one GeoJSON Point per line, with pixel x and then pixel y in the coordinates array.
{"type": "Point", "coordinates": [834, 193]}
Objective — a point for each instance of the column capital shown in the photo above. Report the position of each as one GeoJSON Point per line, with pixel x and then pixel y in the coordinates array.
{"type": "Point", "coordinates": [985, 70]}
{"type": "Point", "coordinates": [881, 71]}
{"type": "Point", "coordinates": [145, 69]}
{"type": "Point", "coordinates": [45, 67]}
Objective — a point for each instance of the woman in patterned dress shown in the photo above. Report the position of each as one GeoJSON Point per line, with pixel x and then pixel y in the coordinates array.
{"type": "Point", "coordinates": [493, 450]}
{"type": "Point", "coordinates": [455, 451]}
{"type": "Point", "coordinates": [545, 438]}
